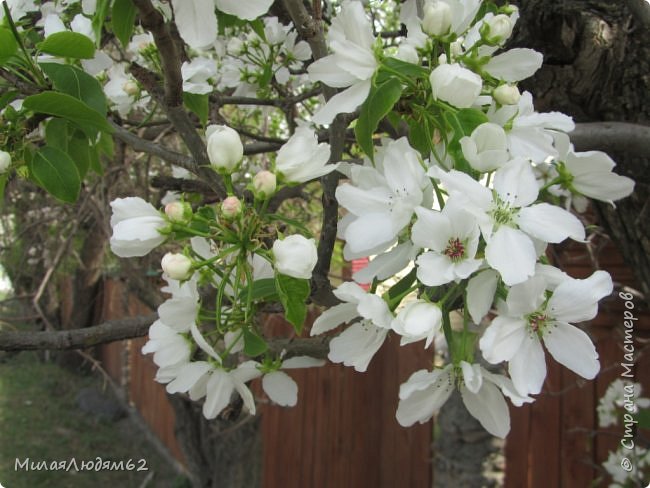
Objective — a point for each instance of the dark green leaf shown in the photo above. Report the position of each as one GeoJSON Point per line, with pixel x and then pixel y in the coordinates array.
{"type": "Point", "coordinates": [8, 45]}
{"type": "Point", "coordinates": [199, 104]}
{"type": "Point", "coordinates": [3, 184]}
{"type": "Point", "coordinates": [264, 290]}
{"type": "Point", "coordinates": [123, 20]}
{"type": "Point", "coordinates": [254, 345]}
{"type": "Point", "coordinates": [68, 107]}
{"type": "Point", "coordinates": [402, 285]}
{"type": "Point", "coordinates": [643, 417]}
{"type": "Point", "coordinates": [8, 97]}
{"type": "Point", "coordinates": [421, 136]}
{"type": "Point", "coordinates": [73, 81]}
{"type": "Point", "coordinates": [293, 293]}
{"type": "Point", "coordinates": [379, 103]}
{"type": "Point", "coordinates": [81, 151]}
{"type": "Point", "coordinates": [68, 45]}
{"type": "Point", "coordinates": [56, 134]}
{"type": "Point", "coordinates": [56, 172]}
{"type": "Point", "coordinates": [407, 70]}
{"type": "Point", "coordinates": [258, 26]}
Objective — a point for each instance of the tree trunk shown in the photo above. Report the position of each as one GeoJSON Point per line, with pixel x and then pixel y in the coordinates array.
{"type": "Point", "coordinates": [220, 453]}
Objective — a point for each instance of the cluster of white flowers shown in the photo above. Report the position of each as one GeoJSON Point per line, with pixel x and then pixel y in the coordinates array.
{"type": "Point", "coordinates": [463, 209]}
{"type": "Point", "coordinates": [469, 214]}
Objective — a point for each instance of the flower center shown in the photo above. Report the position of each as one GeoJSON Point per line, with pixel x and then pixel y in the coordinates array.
{"type": "Point", "coordinates": [455, 249]}
{"type": "Point", "coordinates": [537, 322]}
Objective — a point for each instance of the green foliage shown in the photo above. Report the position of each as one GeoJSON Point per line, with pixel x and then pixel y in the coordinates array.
{"type": "Point", "coordinates": [254, 345]}
{"type": "Point", "coordinates": [199, 104]}
{"type": "Point", "coordinates": [68, 107]}
{"type": "Point", "coordinates": [293, 293]}
{"type": "Point", "coordinates": [8, 45]}
{"type": "Point", "coordinates": [123, 20]}
{"type": "Point", "coordinates": [68, 45]}
{"type": "Point", "coordinates": [380, 101]}
{"type": "Point", "coordinates": [101, 12]}
{"type": "Point", "coordinates": [264, 290]}
{"type": "Point", "coordinates": [73, 81]}
{"type": "Point", "coordinates": [57, 173]}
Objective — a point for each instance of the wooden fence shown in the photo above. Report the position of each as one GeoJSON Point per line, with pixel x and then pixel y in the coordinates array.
{"type": "Point", "coordinates": [343, 433]}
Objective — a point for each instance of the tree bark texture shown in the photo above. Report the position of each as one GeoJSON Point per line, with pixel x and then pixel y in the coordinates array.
{"type": "Point", "coordinates": [597, 68]}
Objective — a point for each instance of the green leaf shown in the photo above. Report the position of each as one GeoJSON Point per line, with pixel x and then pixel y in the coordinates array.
{"type": "Point", "coordinates": [199, 104]}
{"type": "Point", "coordinates": [56, 172]}
{"type": "Point", "coordinates": [63, 105]}
{"type": "Point", "coordinates": [56, 134]}
{"type": "Point", "coordinates": [254, 345]}
{"type": "Point", "coordinates": [407, 70]}
{"type": "Point", "coordinates": [379, 103]}
{"type": "Point", "coordinates": [68, 45]}
{"type": "Point", "coordinates": [402, 285]}
{"type": "Point", "coordinates": [8, 97]}
{"type": "Point", "coordinates": [8, 45]}
{"type": "Point", "coordinates": [81, 151]}
{"type": "Point", "coordinates": [264, 290]}
{"type": "Point", "coordinates": [123, 20]}
{"type": "Point", "coordinates": [293, 293]}
{"type": "Point", "coordinates": [643, 417]}
{"type": "Point", "coordinates": [101, 12]}
{"type": "Point", "coordinates": [421, 136]}
{"type": "Point", "coordinates": [73, 81]}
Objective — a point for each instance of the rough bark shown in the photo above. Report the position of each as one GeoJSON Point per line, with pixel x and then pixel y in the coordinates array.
{"type": "Point", "coordinates": [597, 68]}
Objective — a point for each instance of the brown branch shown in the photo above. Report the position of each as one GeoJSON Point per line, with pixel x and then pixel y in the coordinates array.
{"type": "Point", "coordinates": [182, 185]}
{"type": "Point", "coordinates": [616, 137]}
{"type": "Point", "coordinates": [110, 331]}
{"type": "Point", "coordinates": [142, 145]}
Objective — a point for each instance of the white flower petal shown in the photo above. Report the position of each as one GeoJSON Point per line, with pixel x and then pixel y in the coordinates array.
{"type": "Point", "coordinates": [219, 389]}
{"type": "Point", "coordinates": [281, 388]}
{"type": "Point", "coordinates": [196, 21]}
{"type": "Point", "coordinates": [512, 254]}
{"type": "Point", "coordinates": [573, 348]}
{"type": "Point", "coordinates": [502, 339]}
{"type": "Point", "coordinates": [577, 300]}
{"type": "Point", "coordinates": [480, 294]}
{"type": "Point", "coordinates": [550, 223]}
{"type": "Point", "coordinates": [357, 345]}
{"type": "Point", "coordinates": [188, 375]}
{"type": "Point", "coordinates": [302, 362]}
{"type": "Point", "coordinates": [489, 407]}
{"type": "Point", "coordinates": [248, 10]}
{"type": "Point", "coordinates": [514, 65]}
{"type": "Point", "coordinates": [528, 367]}
{"type": "Point", "coordinates": [333, 317]}
{"type": "Point", "coordinates": [345, 102]}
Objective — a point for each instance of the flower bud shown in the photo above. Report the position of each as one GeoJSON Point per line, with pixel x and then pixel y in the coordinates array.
{"type": "Point", "coordinates": [455, 85]}
{"type": "Point", "coordinates": [231, 207]}
{"type": "Point", "coordinates": [506, 94]}
{"type": "Point", "coordinates": [437, 18]}
{"type": "Point", "coordinates": [176, 266]}
{"type": "Point", "coordinates": [225, 149]}
{"type": "Point", "coordinates": [295, 256]}
{"type": "Point", "coordinates": [500, 27]}
{"type": "Point", "coordinates": [130, 88]}
{"type": "Point", "coordinates": [178, 211]}
{"type": "Point", "coordinates": [264, 184]}
{"type": "Point", "coordinates": [5, 161]}
{"type": "Point", "coordinates": [235, 46]}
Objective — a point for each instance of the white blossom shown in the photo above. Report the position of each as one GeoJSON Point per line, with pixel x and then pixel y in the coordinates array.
{"type": "Point", "coordinates": [136, 227]}
{"type": "Point", "coordinates": [295, 256]}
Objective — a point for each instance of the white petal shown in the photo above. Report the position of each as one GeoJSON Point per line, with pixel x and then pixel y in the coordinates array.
{"type": "Point", "coordinates": [434, 269]}
{"type": "Point", "coordinates": [357, 345]}
{"type": "Point", "coordinates": [550, 223]}
{"type": "Point", "coordinates": [577, 300]}
{"type": "Point", "coordinates": [422, 396]}
{"type": "Point", "coordinates": [573, 348]}
{"type": "Point", "coordinates": [480, 294]}
{"type": "Point", "coordinates": [432, 229]}
{"type": "Point", "coordinates": [178, 313]}
{"type": "Point", "coordinates": [188, 375]}
{"type": "Point", "coordinates": [512, 254]}
{"type": "Point", "coordinates": [302, 362]}
{"type": "Point", "coordinates": [516, 184]}
{"type": "Point", "coordinates": [333, 317]}
{"type": "Point", "coordinates": [345, 102]}
{"type": "Point", "coordinates": [472, 376]}
{"type": "Point", "coordinates": [218, 392]}
{"type": "Point", "coordinates": [528, 367]}
{"type": "Point", "coordinates": [387, 264]}
{"type": "Point", "coordinates": [526, 297]}
{"type": "Point", "coordinates": [370, 230]}
{"type": "Point", "coordinates": [202, 343]}
{"type": "Point", "coordinates": [196, 21]}
{"type": "Point", "coordinates": [248, 10]}
{"type": "Point", "coordinates": [328, 71]}
{"type": "Point", "coordinates": [374, 308]}
{"type": "Point", "coordinates": [507, 388]}
{"type": "Point", "coordinates": [502, 339]}
{"type": "Point", "coordinates": [514, 65]}
{"type": "Point", "coordinates": [489, 407]}
{"type": "Point", "coordinates": [280, 388]}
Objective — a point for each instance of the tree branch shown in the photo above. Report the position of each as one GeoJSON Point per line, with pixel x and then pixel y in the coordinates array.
{"type": "Point", "coordinates": [616, 137]}
{"type": "Point", "coordinates": [110, 331]}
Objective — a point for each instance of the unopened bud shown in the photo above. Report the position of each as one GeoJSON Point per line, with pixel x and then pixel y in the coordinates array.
{"type": "Point", "coordinates": [264, 184]}
{"type": "Point", "coordinates": [130, 88]}
{"type": "Point", "coordinates": [437, 18]}
{"type": "Point", "coordinates": [231, 207]}
{"type": "Point", "coordinates": [235, 46]}
{"type": "Point", "coordinates": [176, 266]}
{"type": "Point", "coordinates": [506, 94]}
{"type": "Point", "coordinates": [5, 161]}
{"type": "Point", "coordinates": [178, 211]}
{"type": "Point", "coordinates": [500, 27]}
{"type": "Point", "coordinates": [225, 149]}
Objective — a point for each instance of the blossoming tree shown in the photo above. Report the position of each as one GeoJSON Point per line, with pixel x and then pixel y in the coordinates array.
{"type": "Point", "coordinates": [407, 116]}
